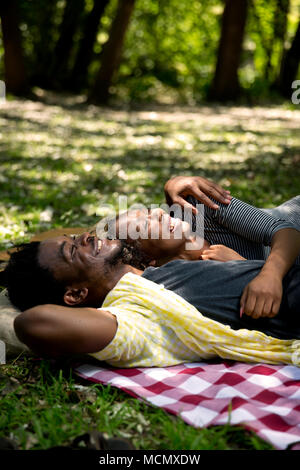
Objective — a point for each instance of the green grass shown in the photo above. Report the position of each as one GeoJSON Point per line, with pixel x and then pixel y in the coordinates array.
{"type": "Point", "coordinates": [43, 405]}
{"type": "Point", "coordinates": [61, 162]}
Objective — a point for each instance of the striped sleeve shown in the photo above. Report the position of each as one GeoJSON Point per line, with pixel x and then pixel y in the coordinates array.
{"type": "Point", "coordinates": [247, 221]}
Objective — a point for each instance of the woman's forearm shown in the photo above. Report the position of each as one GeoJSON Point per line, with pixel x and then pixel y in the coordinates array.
{"type": "Point", "coordinates": [285, 248]}
{"type": "Point", "coordinates": [247, 221]}
{"type": "Point", "coordinates": [263, 295]}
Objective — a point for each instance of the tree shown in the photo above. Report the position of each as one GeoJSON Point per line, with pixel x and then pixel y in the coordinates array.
{"type": "Point", "coordinates": [281, 22]}
{"type": "Point", "coordinates": [226, 83]}
{"type": "Point", "coordinates": [15, 72]}
{"type": "Point", "coordinates": [68, 27]}
{"type": "Point", "coordinates": [112, 50]}
{"type": "Point", "coordinates": [289, 66]}
{"type": "Point", "coordinates": [272, 38]}
{"type": "Point", "coordinates": [85, 49]}
{"type": "Point", "coordinates": [43, 27]}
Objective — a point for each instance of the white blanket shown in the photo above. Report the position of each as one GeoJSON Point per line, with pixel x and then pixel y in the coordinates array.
{"type": "Point", "coordinates": [7, 334]}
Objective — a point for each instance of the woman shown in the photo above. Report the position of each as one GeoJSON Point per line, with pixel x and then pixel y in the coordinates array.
{"type": "Point", "coordinates": [234, 230]}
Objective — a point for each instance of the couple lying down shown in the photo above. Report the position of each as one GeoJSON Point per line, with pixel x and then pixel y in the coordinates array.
{"type": "Point", "coordinates": [152, 302]}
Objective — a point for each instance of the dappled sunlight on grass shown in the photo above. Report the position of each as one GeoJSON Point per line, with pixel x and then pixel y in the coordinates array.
{"type": "Point", "coordinates": [61, 160]}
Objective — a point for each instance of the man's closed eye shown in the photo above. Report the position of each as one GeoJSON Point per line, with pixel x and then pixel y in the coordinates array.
{"type": "Point", "coordinates": [73, 251]}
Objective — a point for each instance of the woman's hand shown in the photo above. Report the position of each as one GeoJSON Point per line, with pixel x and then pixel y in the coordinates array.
{"type": "Point", "coordinates": [221, 253]}
{"type": "Point", "coordinates": [179, 187]}
{"type": "Point", "coordinates": [262, 296]}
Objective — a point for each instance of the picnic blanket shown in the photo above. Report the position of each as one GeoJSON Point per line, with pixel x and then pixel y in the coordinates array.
{"type": "Point", "coordinates": [262, 398]}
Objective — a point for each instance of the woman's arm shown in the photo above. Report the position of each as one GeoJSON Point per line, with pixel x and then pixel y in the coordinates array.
{"type": "Point", "coordinates": [247, 221]}
{"type": "Point", "coordinates": [262, 296]}
{"type": "Point", "coordinates": [234, 215]}
{"type": "Point", "coordinates": [55, 330]}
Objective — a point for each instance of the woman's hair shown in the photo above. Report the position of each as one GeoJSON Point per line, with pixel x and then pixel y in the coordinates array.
{"type": "Point", "coordinates": [29, 284]}
{"type": "Point", "coordinates": [136, 256]}
{"type": "Point", "coordinates": [132, 254]}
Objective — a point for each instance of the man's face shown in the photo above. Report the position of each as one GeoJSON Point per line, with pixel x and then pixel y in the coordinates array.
{"type": "Point", "coordinates": [80, 261]}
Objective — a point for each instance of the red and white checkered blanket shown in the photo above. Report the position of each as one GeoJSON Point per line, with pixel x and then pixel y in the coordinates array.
{"type": "Point", "coordinates": [263, 398]}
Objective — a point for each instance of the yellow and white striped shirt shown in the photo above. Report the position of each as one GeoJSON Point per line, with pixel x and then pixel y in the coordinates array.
{"type": "Point", "coordinates": [157, 327]}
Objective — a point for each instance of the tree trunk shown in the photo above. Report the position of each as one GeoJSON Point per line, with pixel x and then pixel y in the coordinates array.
{"type": "Point", "coordinates": [112, 50]}
{"type": "Point", "coordinates": [289, 66]}
{"type": "Point", "coordinates": [280, 20]}
{"type": "Point", "coordinates": [278, 37]}
{"type": "Point", "coordinates": [226, 83]}
{"type": "Point", "coordinates": [62, 52]}
{"type": "Point", "coordinates": [85, 50]}
{"type": "Point", "coordinates": [15, 72]}
{"type": "Point", "coordinates": [43, 44]}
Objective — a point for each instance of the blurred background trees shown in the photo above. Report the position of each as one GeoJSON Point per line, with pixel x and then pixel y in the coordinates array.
{"type": "Point", "coordinates": [226, 82]}
{"type": "Point", "coordinates": [151, 50]}
{"type": "Point", "coordinates": [14, 67]}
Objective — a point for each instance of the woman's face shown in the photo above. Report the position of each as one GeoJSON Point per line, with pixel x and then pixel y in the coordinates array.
{"type": "Point", "coordinates": [159, 234]}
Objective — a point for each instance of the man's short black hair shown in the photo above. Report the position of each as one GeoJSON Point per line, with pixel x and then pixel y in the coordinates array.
{"type": "Point", "coordinates": [29, 284]}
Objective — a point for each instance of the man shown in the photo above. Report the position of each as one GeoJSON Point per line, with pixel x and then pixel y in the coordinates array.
{"type": "Point", "coordinates": [142, 322]}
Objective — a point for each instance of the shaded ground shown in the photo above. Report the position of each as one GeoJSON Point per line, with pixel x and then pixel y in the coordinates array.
{"type": "Point", "coordinates": [62, 160]}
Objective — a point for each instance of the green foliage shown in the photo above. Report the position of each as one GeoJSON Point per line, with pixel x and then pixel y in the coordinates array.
{"type": "Point", "coordinates": [171, 47]}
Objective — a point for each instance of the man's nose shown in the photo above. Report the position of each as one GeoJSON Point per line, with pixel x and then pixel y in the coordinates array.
{"type": "Point", "coordinates": [84, 239]}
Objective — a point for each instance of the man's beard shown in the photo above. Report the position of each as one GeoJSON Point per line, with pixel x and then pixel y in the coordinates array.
{"type": "Point", "coordinates": [129, 254]}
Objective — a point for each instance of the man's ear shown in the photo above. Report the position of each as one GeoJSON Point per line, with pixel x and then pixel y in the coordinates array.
{"type": "Point", "coordinates": [74, 296]}
{"type": "Point", "coordinates": [152, 263]}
